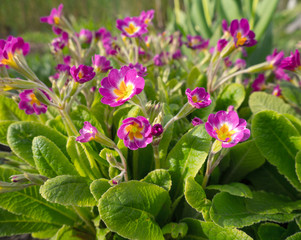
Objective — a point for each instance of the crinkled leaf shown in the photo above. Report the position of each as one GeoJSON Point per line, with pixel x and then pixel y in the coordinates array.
{"type": "Point", "coordinates": [233, 94]}
{"type": "Point", "coordinates": [272, 133]}
{"type": "Point", "coordinates": [57, 124]}
{"type": "Point", "coordinates": [208, 230]}
{"type": "Point", "coordinates": [298, 165]}
{"type": "Point", "coordinates": [49, 159]}
{"type": "Point", "coordinates": [236, 189]}
{"type": "Point", "coordinates": [11, 224]}
{"type": "Point", "coordinates": [68, 190]}
{"type": "Point", "coordinates": [159, 177]}
{"type": "Point", "coordinates": [98, 187]}
{"type": "Point", "coordinates": [260, 101]}
{"type": "Point", "coordinates": [4, 124]}
{"type": "Point", "coordinates": [21, 134]}
{"type": "Point", "coordinates": [187, 157]}
{"type": "Point", "coordinates": [135, 209]}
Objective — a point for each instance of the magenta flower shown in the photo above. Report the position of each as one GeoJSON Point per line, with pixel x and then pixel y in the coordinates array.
{"type": "Point", "coordinates": [120, 86]}
{"type": "Point", "coordinates": [240, 63]}
{"type": "Point", "coordinates": [258, 83]}
{"type": "Point", "coordinates": [228, 62]}
{"type": "Point", "coordinates": [198, 97]}
{"type": "Point", "coordinates": [157, 130]}
{"type": "Point", "coordinates": [241, 33]}
{"type": "Point", "coordinates": [102, 34]}
{"type": "Point", "coordinates": [276, 60]}
{"type": "Point", "coordinates": [62, 68]}
{"type": "Point", "coordinates": [85, 36]}
{"type": "Point", "coordinates": [30, 103]}
{"type": "Point", "coordinates": [277, 91]}
{"type": "Point", "coordinates": [161, 59]}
{"type": "Point", "coordinates": [82, 74]}
{"type": "Point", "coordinates": [140, 69]}
{"type": "Point", "coordinates": [60, 42]}
{"type": "Point", "coordinates": [177, 54]}
{"type": "Point", "coordinates": [135, 132]}
{"type": "Point", "coordinates": [225, 27]}
{"type": "Point", "coordinates": [197, 121]}
{"type": "Point", "coordinates": [11, 46]}
{"type": "Point", "coordinates": [131, 26]}
{"type": "Point", "coordinates": [196, 42]}
{"type": "Point", "coordinates": [292, 62]}
{"type": "Point", "coordinates": [227, 127]}
{"type": "Point", "coordinates": [221, 44]}
{"type": "Point", "coordinates": [100, 64]}
{"type": "Point", "coordinates": [87, 133]}
{"type": "Point", "coordinates": [146, 17]}
{"type": "Point", "coordinates": [55, 16]}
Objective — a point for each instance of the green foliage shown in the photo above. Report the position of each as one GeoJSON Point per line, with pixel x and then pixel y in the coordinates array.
{"type": "Point", "coordinates": [236, 189]}
{"type": "Point", "coordinates": [159, 177]}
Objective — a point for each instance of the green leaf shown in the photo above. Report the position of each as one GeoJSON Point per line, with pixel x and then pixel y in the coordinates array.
{"type": "Point", "coordinates": [260, 101]}
{"type": "Point", "coordinates": [265, 12]}
{"type": "Point", "coordinates": [4, 124]}
{"type": "Point", "coordinates": [268, 231]}
{"type": "Point", "coordinates": [198, 19]}
{"type": "Point", "coordinates": [9, 110]}
{"type": "Point", "coordinates": [208, 230]}
{"type": "Point", "coordinates": [83, 160]}
{"type": "Point", "coordinates": [49, 159]}
{"type": "Point", "coordinates": [98, 187]}
{"type": "Point", "coordinates": [244, 158]}
{"type": "Point", "coordinates": [134, 210]}
{"type": "Point", "coordinates": [272, 133]}
{"type": "Point", "coordinates": [195, 195]}
{"type": "Point", "coordinates": [165, 141]}
{"type": "Point", "coordinates": [11, 224]}
{"type": "Point", "coordinates": [193, 79]}
{"type": "Point", "coordinates": [291, 93]}
{"type": "Point", "coordinates": [176, 230]}
{"type": "Point", "coordinates": [296, 236]}
{"type": "Point", "coordinates": [187, 157]}
{"type": "Point", "coordinates": [45, 234]}
{"type": "Point", "coordinates": [298, 165]}
{"type": "Point", "coordinates": [21, 134]}
{"type": "Point", "coordinates": [67, 233]}
{"type": "Point", "coordinates": [231, 9]}
{"type": "Point", "coordinates": [159, 177]}
{"type": "Point", "coordinates": [68, 190]}
{"type": "Point", "coordinates": [228, 210]}
{"type": "Point", "coordinates": [295, 121]}
{"type": "Point", "coordinates": [236, 189]}
{"type": "Point", "coordinates": [233, 94]}
{"type": "Point", "coordinates": [57, 124]}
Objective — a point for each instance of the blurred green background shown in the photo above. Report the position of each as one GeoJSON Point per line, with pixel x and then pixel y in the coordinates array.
{"type": "Point", "coordinates": [21, 18]}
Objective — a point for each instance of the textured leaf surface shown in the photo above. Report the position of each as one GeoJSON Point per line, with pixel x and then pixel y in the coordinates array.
{"type": "Point", "coordinates": [68, 190]}
{"type": "Point", "coordinates": [49, 159]}
{"type": "Point", "coordinates": [291, 92]}
{"type": "Point", "coordinates": [187, 157]}
{"type": "Point", "coordinates": [228, 210]}
{"type": "Point", "coordinates": [268, 231]}
{"type": "Point", "coordinates": [11, 224]}
{"type": "Point", "coordinates": [67, 233]}
{"type": "Point", "coordinates": [4, 124]}
{"type": "Point", "coordinates": [134, 210]}
{"type": "Point", "coordinates": [21, 134]}
{"type": "Point", "coordinates": [208, 230]}
{"type": "Point", "coordinates": [159, 177]}
{"type": "Point", "coordinates": [236, 189]}
{"type": "Point", "coordinates": [233, 94]}
{"type": "Point", "coordinates": [260, 101]}
{"type": "Point", "coordinates": [296, 236]}
{"type": "Point", "coordinates": [244, 158]}
{"type": "Point", "coordinates": [272, 133]}
{"type": "Point", "coordinates": [98, 187]}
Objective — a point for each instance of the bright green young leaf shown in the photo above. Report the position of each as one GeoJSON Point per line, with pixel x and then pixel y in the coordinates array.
{"type": "Point", "coordinates": [159, 177]}
{"type": "Point", "coordinates": [11, 224]}
{"type": "Point", "coordinates": [49, 159]}
{"type": "Point", "coordinates": [296, 141]}
{"type": "Point", "coordinates": [9, 110]}
{"type": "Point", "coordinates": [195, 195]}
{"type": "Point", "coordinates": [267, 231]}
{"type": "Point", "coordinates": [236, 189]}
{"type": "Point", "coordinates": [47, 234]}
{"type": "Point", "coordinates": [296, 236]}
{"type": "Point", "coordinates": [135, 209]}
{"type": "Point", "coordinates": [4, 124]}
{"type": "Point", "coordinates": [208, 230]}
{"type": "Point", "coordinates": [260, 101]}
{"type": "Point", "coordinates": [232, 211]}
{"type": "Point", "coordinates": [98, 187]}
{"type": "Point", "coordinates": [272, 133]}
{"type": "Point", "coordinates": [67, 233]}
{"type": "Point", "coordinates": [99, 110]}
{"type": "Point", "coordinates": [57, 124]}
{"type": "Point", "coordinates": [21, 134]}
{"type": "Point", "coordinates": [176, 230]}
{"type": "Point", "coordinates": [199, 19]}
{"type": "Point", "coordinates": [193, 78]}
{"type": "Point", "coordinates": [233, 94]}
{"type": "Point", "coordinates": [187, 157]}
{"type": "Point", "coordinates": [231, 9]}
{"type": "Point", "coordinates": [68, 190]}
{"type": "Point", "coordinates": [244, 158]}
{"type": "Point", "coordinates": [165, 141]}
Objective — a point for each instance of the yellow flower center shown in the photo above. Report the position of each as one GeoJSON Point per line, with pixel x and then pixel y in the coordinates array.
{"type": "Point", "coordinates": [34, 99]}
{"type": "Point", "coordinates": [10, 61]}
{"type": "Point", "coordinates": [131, 29]}
{"type": "Point", "coordinates": [224, 134]}
{"type": "Point", "coordinates": [134, 131]}
{"type": "Point", "coordinates": [56, 20]}
{"type": "Point", "coordinates": [195, 99]}
{"type": "Point", "coordinates": [146, 21]}
{"type": "Point", "coordinates": [124, 90]}
{"type": "Point", "coordinates": [240, 40]}
{"type": "Point", "coordinates": [80, 75]}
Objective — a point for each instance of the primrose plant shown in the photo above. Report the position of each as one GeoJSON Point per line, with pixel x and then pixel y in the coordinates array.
{"type": "Point", "coordinates": [150, 136]}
